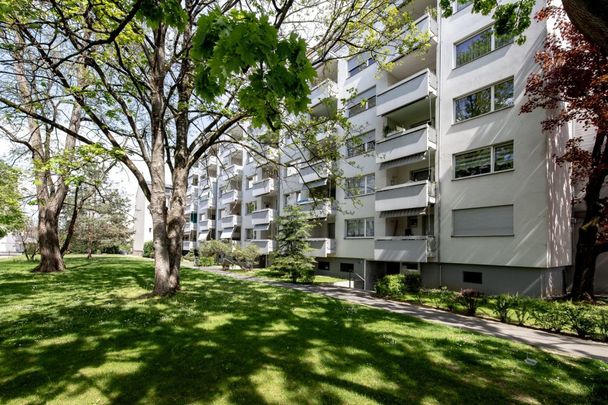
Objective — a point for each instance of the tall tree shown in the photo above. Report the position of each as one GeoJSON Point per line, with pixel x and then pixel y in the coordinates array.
{"type": "Point", "coordinates": [573, 84]}
{"type": "Point", "coordinates": [167, 80]}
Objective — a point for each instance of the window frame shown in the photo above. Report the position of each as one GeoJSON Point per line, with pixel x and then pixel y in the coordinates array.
{"type": "Point", "coordinates": [499, 235]}
{"type": "Point", "coordinates": [365, 143]}
{"type": "Point", "coordinates": [363, 187]}
{"type": "Point", "coordinates": [492, 160]}
{"type": "Point", "coordinates": [493, 46]}
{"type": "Point", "coordinates": [364, 64]}
{"type": "Point", "coordinates": [492, 100]}
{"type": "Point", "coordinates": [364, 222]}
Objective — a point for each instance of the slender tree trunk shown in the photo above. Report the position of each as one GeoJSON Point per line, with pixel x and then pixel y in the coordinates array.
{"type": "Point", "coordinates": [72, 225]}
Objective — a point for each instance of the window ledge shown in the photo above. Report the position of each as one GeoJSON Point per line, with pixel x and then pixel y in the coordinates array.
{"type": "Point", "coordinates": [482, 115]}
{"type": "Point", "coordinates": [359, 195]}
{"type": "Point", "coordinates": [482, 175]}
{"type": "Point", "coordinates": [483, 236]}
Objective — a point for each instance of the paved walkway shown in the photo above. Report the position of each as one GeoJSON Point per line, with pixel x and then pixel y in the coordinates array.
{"type": "Point", "coordinates": [560, 344]}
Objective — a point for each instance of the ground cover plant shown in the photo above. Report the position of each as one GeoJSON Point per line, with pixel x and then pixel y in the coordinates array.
{"type": "Point", "coordinates": [87, 336]}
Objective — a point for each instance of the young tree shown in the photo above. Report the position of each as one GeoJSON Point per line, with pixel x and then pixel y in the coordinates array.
{"type": "Point", "coordinates": [11, 215]}
{"type": "Point", "coordinates": [573, 83]}
{"type": "Point", "coordinates": [292, 245]}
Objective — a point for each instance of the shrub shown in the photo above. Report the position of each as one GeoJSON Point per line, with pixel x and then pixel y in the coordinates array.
{"type": "Point", "coordinates": [111, 250]}
{"type": "Point", "coordinates": [391, 286]}
{"type": "Point", "coordinates": [412, 282]}
{"type": "Point", "coordinates": [216, 249]}
{"type": "Point", "coordinates": [522, 307]}
{"type": "Point", "coordinates": [549, 315]}
{"type": "Point", "coordinates": [470, 299]}
{"type": "Point", "coordinates": [501, 305]}
{"type": "Point", "coordinates": [300, 268]}
{"type": "Point", "coordinates": [206, 261]}
{"type": "Point", "coordinates": [247, 256]}
{"type": "Point", "coordinates": [579, 319]}
{"type": "Point", "coordinates": [148, 249]}
{"type": "Point", "coordinates": [190, 256]}
{"type": "Point", "coordinates": [447, 299]}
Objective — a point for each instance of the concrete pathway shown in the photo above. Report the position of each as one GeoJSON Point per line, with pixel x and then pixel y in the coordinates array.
{"type": "Point", "coordinates": [560, 344]}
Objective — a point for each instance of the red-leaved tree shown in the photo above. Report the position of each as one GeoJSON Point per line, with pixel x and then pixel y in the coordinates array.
{"type": "Point", "coordinates": [573, 84]}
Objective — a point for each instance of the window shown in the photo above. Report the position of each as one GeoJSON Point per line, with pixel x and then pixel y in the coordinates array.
{"type": "Point", "coordinates": [285, 199]}
{"type": "Point", "coordinates": [347, 267]}
{"type": "Point", "coordinates": [322, 265]}
{"type": "Point", "coordinates": [360, 185]}
{"type": "Point", "coordinates": [250, 207]}
{"type": "Point", "coordinates": [492, 98]}
{"type": "Point", "coordinates": [479, 45]}
{"type": "Point", "coordinates": [359, 63]}
{"type": "Point", "coordinates": [360, 144]}
{"type": "Point", "coordinates": [474, 277]}
{"type": "Point", "coordinates": [250, 181]}
{"type": "Point", "coordinates": [360, 228]}
{"type": "Point", "coordinates": [193, 217]}
{"type": "Point", "coordinates": [485, 221]}
{"type": "Point", "coordinates": [490, 159]}
{"type": "Point", "coordinates": [290, 169]}
{"type": "Point", "coordinates": [249, 234]}
{"type": "Point", "coordinates": [362, 102]}
{"type": "Point", "coordinates": [420, 175]}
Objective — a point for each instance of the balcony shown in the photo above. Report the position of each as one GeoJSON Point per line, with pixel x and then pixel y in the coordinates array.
{"type": "Point", "coordinates": [206, 225]}
{"type": "Point", "coordinates": [317, 209]}
{"type": "Point", "coordinates": [229, 197]}
{"type": "Point", "coordinates": [262, 217]}
{"type": "Point", "coordinates": [231, 221]}
{"type": "Point", "coordinates": [313, 172]}
{"type": "Point", "coordinates": [425, 25]}
{"type": "Point", "coordinates": [266, 246]}
{"type": "Point", "coordinates": [262, 187]}
{"type": "Point", "coordinates": [321, 247]}
{"type": "Point", "coordinates": [188, 245]}
{"type": "Point", "coordinates": [207, 183]}
{"type": "Point", "coordinates": [404, 248]}
{"type": "Point", "coordinates": [421, 85]}
{"type": "Point", "coordinates": [415, 194]}
{"type": "Point", "coordinates": [232, 171]}
{"type": "Point", "coordinates": [188, 226]}
{"type": "Point", "coordinates": [402, 143]}
{"type": "Point", "coordinates": [324, 90]}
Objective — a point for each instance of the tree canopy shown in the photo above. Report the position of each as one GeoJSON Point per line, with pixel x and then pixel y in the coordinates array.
{"type": "Point", "coordinates": [12, 217]}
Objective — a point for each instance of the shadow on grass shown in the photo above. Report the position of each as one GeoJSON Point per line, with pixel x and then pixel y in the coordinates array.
{"type": "Point", "coordinates": [81, 335]}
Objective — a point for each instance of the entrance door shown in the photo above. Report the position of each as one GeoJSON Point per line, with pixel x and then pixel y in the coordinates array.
{"type": "Point", "coordinates": [393, 267]}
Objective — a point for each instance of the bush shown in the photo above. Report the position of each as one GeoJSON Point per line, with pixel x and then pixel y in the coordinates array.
{"type": "Point", "coordinates": [501, 305]}
{"type": "Point", "coordinates": [111, 250]}
{"type": "Point", "coordinates": [190, 256]}
{"type": "Point", "coordinates": [298, 268]}
{"type": "Point", "coordinates": [470, 299]}
{"type": "Point", "coordinates": [216, 249]}
{"type": "Point", "coordinates": [412, 282]}
{"type": "Point", "coordinates": [246, 257]}
{"type": "Point", "coordinates": [206, 261]}
{"type": "Point", "coordinates": [579, 319]}
{"type": "Point", "coordinates": [522, 307]}
{"type": "Point", "coordinates": [443, 298]}
{"type": "Point", "coordinates": [391, 286]}
{"type": "Point", "coordinates": [602, 324]}
{"type": "Point", "coordinates": [549, 315]}
{"type": "Point", "coordinates": [148, 249]}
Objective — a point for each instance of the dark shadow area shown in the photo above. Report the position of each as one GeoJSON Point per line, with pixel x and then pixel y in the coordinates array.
{"type": "Point", "coordinates": [82, 336]}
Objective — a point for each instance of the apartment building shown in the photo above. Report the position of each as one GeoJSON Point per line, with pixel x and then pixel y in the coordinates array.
{"type": "Point", "coordinates": [444, 176]}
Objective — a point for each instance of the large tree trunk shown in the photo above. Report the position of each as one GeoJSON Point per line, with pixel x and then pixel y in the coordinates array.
{"type": "Point", "coordinates": [51, 259]}
{"type": "Point", "coordinates": [590, 17]}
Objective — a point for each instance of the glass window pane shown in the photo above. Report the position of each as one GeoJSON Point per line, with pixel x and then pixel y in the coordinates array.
{"type": "Point", "coordinates": [473, 163]}
{"type": "Point", "coordinates": [473, 105]}
{"type": "Point", "coordinates": [503, 157]}
{"type": "Point", "coordinates": [371, 183]}
{"type": "Point", "coordinates": [502, 40]}
{"type": "Point", "coordinates": [369, 227]}
{"type": "Point", "coordinates": [503, 94]}
{"type": "Point", "coordinates": [474, 48]}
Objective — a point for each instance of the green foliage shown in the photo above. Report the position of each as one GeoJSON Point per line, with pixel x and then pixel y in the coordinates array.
{"type": "Point", "coordinates": [290, 257]}
{"type": "Point", "coordinates": [510, 18]}
{"type": "Point", "coordinates": [500, 306]}
{"type": "Point", "coordinates": [168, 12]}
{"type": "Point", "coordinates": [246, 257]}
{"type": "Point", "coordinates": [11, 215]}
{"type": "Point", "coordinates": [412, 282]}
{"type": "Point", "coordinates": [190, 256]}
{"type": "Point", "coordinates": [579, 318]}
{"type": "Point", "coordinates": [241, 42]}
{"type": "Point", "coordinates": [216, 249]}
{"type": "Point", "coordinates": [470, 299]}
{"type": "Point", "coordinates": [602, 324]}
{"type": "Point", "coordinates": [392, 285]}
{"type": "Point", "coordinates": [522, 307]}
{"type": "Point", "coordinates": [549, 315]}
{"type": "Point", "coordinates": [148, 249]}
{"type": "Point", "coordinates": [205, 261]}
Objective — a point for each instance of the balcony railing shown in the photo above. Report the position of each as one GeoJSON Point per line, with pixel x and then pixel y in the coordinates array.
{"type": "Point", "coordinates": [317, 209]}
{"type": "Point", "coordinates": [407, 91]}
{"type": "Point", "coordinates": [265, 246]}
{"type": "Point", "coordinates": [232, 171]}
{"type": "Point", "coordinates": [326, 89]}
{"type": "Point", "coordinates": [425, 25]}
{"type": "Point", "coordinates": [321, 247]}
{"type": "Point", "coordinates": [207, 183]}
{"type": "Point", "coordinates": [404, 248]}
{"type": "Point", "coordinates": [229, 197]}
{"type": "Point", "coordinates": [261, 217]}
{"type": "Point", "coordinates": [314, 172]}
{"type": "Point", "coordinates": [415, 194]}
{"type": "Point", "coordinates": [207, 224]}
{"type": "Point", "coordinates": [263, 187]}
{"type": "Point", "coordinates": [401, 143]}
{"type": "Point", "coordinates": [231, 221]}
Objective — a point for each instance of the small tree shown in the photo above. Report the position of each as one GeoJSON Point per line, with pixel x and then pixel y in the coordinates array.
{"type": "Point", "coordinates": [11, 215]}
{"type": "Point", "coordinates": [246, 257]}
{"type": "Point", "coordinates": [216, 249]}
{"type": "Point", "coordinates": [290, 257]}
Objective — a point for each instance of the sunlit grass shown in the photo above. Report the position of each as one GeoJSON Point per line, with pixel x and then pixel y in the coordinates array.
{"type": "Point", "coordinates": [86, 336]}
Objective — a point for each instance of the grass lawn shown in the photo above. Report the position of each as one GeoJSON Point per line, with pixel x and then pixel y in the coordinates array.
{"type": "Point", "coordinates": [85, 337]}
{"type": "Point", "coordinates": [278, 276]}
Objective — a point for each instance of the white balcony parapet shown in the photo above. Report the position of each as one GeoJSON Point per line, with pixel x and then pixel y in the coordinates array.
{"type": "Point", "coordinates": [206, 224]}
{"type": "Point", "coordinates": [407, 91]}
{"type": "Point", "coordinates": [265, 246]}
{"type": "Point", "coordinates": [261, 217]}
{"type": "Point", "coordinates": [425, 25]}
{"type": "Point", "coordinates": [232, 171]}
{"type": "Point", "coordinates": [401, 143]}
{"type": "Point", "coordinates": [311, 172]}
{"type": "Point", "coordinates": [321, 247]}
{"type": "Point", "coordinates": [317, 209]}
{"type": "Point", "coordinates": [263, 187]}
{"type": "Point", "coordinates": [404, 248]}
{"type": "Point", "coordinates": [230, 221]}
{"type": "Point", "coordinates": [188, 245]}
{"type": "Point", "coordinates": [326, 89]}
{"type": "Point", "coordinates": [229, 197]}
{"type": "Point", "coordinates": [415, 194]}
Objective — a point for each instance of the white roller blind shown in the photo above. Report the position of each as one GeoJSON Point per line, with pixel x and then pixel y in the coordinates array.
{"type": "Point", "coordinates": [486, 221]}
